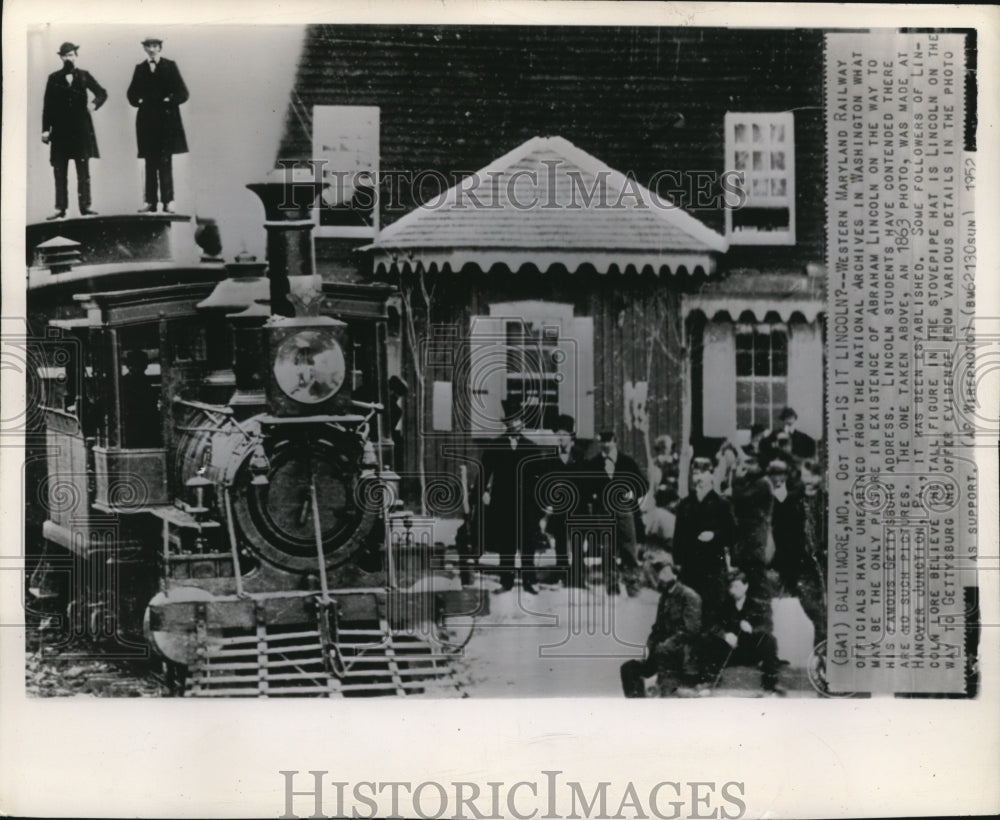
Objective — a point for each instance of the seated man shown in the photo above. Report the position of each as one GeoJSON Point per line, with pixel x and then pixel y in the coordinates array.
{"type": "Point", "coordinates": [743, 637]}
{"type": "Point", "coordinates": [669, 650]}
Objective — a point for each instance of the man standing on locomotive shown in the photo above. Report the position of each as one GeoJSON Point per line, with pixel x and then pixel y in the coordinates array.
{"type": "Point", "coordinates": [158, 91]}
{"type": "Point", "coordinates": [68, 129]}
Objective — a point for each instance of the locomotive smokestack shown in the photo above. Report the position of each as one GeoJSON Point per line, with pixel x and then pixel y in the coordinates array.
{"type": "Point", "coordinates": [288, 195]}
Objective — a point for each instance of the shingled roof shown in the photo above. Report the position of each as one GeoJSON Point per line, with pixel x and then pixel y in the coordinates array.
{"type": "Point", "coordinates": [549, 203]}
{"type": "Point", "coordinates": [761, 293]}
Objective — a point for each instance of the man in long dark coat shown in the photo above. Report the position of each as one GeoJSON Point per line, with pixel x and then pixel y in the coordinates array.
{"type": "Point", "coordinates": [616, 486]}
{"type": "Point", "coordinates": [512, 515]}
{"type": "Point", "coordinates": [68, 129]}
{"type": "Point", "coordinates": [158, 91]}
{"type": "Point", "coordinates": [787, 527]}
{"type": "Point", "coordinates": [562, 492]}
{"type": "Point", "coordinates": [753, 502]}
{"type": "Point", "coordinates": [705, 532]}
{"type": "Point", "coordinates": [811, 586]}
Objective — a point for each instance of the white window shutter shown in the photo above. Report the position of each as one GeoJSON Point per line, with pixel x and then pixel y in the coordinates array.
{"type": "Point", "coordinates": [441, 406]}
{"type": "Point", "coordinates": [805, 376]}
{"type": "Point", "coordinates": [487, 375]}
{"type": "Point", "coordinates": [719, 381]}
{"type": "Point", "coordinates": [576, 391]}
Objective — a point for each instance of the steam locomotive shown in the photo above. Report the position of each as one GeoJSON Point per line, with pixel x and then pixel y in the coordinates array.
{"type": "Point", "coordinates": [217, 472]}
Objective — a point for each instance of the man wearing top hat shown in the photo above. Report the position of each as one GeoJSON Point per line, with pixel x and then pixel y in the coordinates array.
{"type": "Point", "coordinates": [68, 129]}
{"type": "Point", "coordinates": [616, 486]}
{"type": "Point", "coordinates": [158, 91]}
{"type": "Point", "coordinates": [561, 495]}
{"type": "Point", "coordinates": [512, 515]}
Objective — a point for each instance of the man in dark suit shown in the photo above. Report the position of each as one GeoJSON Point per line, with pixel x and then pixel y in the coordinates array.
{"type": "Point", "coordinates": [140, 413]}
{"type": "Point", "coordinates": [753, 503]}
{"type": "Point", "coordinates": [787, 528]}
{"type": "Point", "coordinates": [811, 585]}
{"type": "Point", "coordinates": [561, 491]}
{"type": "Point", "coordinates": [801, 445]}
{"type": "Point", "coordinates": [616, 486]}
{"type": "Point", "coordinates": [704, 535]}
{"type": "Point", "coordinates": [158, 91]}
{"type": "Point", "coordinates": [68, 129]}
{"type": "Point", "coordinates": [512, 515]}
{"type": "Point", "coordinates": [744, 636]}
{"type": "Point", "coordinates": [672, 641]}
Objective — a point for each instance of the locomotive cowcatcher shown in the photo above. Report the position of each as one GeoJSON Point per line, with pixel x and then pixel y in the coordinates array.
{"type": "Point", "coordinates": [219, 473]}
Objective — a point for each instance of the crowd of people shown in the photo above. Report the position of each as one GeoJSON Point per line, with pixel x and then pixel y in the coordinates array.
{"type": "Point", "coordinates": [531, 496]}
{"type": "Point", "coordinates": [751, 527]}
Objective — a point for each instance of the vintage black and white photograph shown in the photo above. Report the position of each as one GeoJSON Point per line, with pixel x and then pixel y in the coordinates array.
{"type": "Point", "coordinates": [439, 360]}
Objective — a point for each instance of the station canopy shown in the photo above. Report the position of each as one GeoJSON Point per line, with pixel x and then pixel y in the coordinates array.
{"type": "Point", "coordinates": [548, 204]}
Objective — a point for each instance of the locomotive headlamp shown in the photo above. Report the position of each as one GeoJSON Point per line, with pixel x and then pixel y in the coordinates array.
{"type": "Point", "coordinates": [309, 366]}
{"type": "Point", "coordinates": [309, 371]}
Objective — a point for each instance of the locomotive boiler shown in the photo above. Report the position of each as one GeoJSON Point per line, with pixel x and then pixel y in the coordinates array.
{"type": "Point", "coordinates": [219, 476]}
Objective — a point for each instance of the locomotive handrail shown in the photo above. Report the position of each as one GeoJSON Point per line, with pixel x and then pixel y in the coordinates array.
{"type": "Point", "coordinates": [312, 420]}
{"type": "Point", "coordinates": [237, 574]}
{"type": "Point", "coordinates": [200, 405]}
{"type": "Point", "coordinates": [219, 409]}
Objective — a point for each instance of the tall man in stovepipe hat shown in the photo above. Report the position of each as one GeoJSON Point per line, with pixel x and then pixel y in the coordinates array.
{"type": "Point", "coordinates": [509, 500]}
{"type": "Point", "coordinates": [68, 129]}
{"type": "Point", "coordinates": [158, 91]}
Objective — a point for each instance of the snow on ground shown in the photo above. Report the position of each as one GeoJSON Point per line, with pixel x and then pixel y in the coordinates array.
{"type": "Point", "coordinates": [570, 643]}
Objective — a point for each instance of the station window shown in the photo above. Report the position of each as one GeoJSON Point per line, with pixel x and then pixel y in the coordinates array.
{"type": "Point", "coordinates": [761, 374]}
{"type": "Point", "coordinates": [536, 354]}
{"type": "Point", "coordinates": [532, 373]}
{"type": "Point", "coordinates": [760, 147]}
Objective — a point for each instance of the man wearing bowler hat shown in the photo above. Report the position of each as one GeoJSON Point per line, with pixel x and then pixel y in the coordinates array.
{"type": "Point", "coordinates": [561, 495]}
{"type": "Point", "coordinates": [158, 91]}
{"type": "Point", "coordinates": [616, 485]}
{"type": "Point", "coordinates": [68, 129]}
